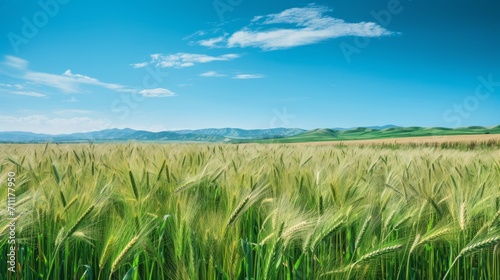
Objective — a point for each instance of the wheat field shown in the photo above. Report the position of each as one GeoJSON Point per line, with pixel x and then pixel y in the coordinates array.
{"type": "Point", "coordinates": [437, 141]}
{"type": "Point", "coordinates": [223, 211]}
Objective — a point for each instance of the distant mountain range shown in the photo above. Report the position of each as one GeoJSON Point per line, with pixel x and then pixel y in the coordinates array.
{"type": "Point", "coordinates": [237, 135]}
{"type": "Point", "coordinates": [199, 135]}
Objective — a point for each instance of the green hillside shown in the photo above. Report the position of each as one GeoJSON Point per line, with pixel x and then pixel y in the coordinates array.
{"type": "Point", "coordinates": [369, 133]}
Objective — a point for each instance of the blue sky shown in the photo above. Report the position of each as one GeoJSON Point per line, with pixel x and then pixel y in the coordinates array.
{"type": "Point", "coordinates": [69, 65]}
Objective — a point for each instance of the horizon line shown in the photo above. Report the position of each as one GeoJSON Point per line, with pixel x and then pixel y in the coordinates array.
{"type": "Point", "coordinates": [247, 129]}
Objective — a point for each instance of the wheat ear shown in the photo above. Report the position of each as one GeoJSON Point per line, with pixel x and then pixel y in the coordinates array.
{"type": "Point", "coordinates": [75, 226]}
{"type": "Point", "coordinates": [123, 253]}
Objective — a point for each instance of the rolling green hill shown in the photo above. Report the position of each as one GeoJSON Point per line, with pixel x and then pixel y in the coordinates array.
{"type": "Point", "coordinates": [370, 133]}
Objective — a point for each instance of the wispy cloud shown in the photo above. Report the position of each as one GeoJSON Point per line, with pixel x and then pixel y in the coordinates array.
{"type": "Point", "coordinates": [181, 60]}
{"type": "Point", "coordinates": [70, 82]}
{"type": "Point", "coordinates": [214, 42]}
{"type": "Point", "coordinates": [295, 27]}
{"type": "Point", "coordinates": [139, 65]}
{"type": "Point", "coordinates": [157, 92]}
{"type": "Point", "coordinates": [248, 76]}
{"type": "Point", "coordinates": [29, 93]}
{"type": "Point", "coordinates": [61, 82]}
{"type": "Point", "coordinates": [16, 62]}
{"type": "Point", "coordinates": [19, 90]}
{"type": "Point", "coordinates": [196, 34]}
{"type": "Point", "coordinates": [73, 112]}
{"type": "Point", "coordinates": [45, 124]}
{"type": "Point", "coordinates": [71, 100]}
{"type": "Point", "coordinates": [212, 74]}
{"type": "Point", "coordinates": [17, 86]}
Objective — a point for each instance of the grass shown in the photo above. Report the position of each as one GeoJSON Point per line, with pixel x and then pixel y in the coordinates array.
{"type": "Point", "coordinates": [225, 211]}
{"type": "Point", "coordinates": [362, 133]}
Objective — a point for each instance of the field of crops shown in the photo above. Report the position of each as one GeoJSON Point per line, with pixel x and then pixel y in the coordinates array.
{"type": "Point", "coordinates": [214, 211]}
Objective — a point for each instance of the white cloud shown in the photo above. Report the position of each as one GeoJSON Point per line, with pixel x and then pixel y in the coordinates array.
{"type": "Point", "coordinates": [196, 34]}
{"type": "Point", "coordinates": [212, 42]}
{"type": "Point", "coordinates": [89, 123]}
{"type": "Point", "coordinates": [72, 112]}
{"type": "Point", "coordinates": [82, 79]}
{"type": "Point", "coordinates": [67, 82]}
{"type": "Point", "coordinates": [306, 26]}
{"type": "Point", "coordinates": [72, 100]}
{"type": "Point", "coordinates": [212, 74]}
{"type": "Point", "coordinates": [139, 65]}
{"type": "Point", "coordinates": [17, 86]}
{"type": "Point", "coordinates": [70, 83]}
{"type": "Point", "coordinates": [181, 60]}
{"type": "Point", "coordinates": [63, 83]}
{"type": "Point", "coordinates": [248, 76]}
{"type": "Point", "coordinates": [16, 62]}
{"type": "Point", "coordinates": [45, 124]}
{"type": "Point", "coordinates": [156, 92]}
{"type": "Point", "coordinates": [156, 128]}
{"type": "Point", "coordinates": [29, 93]}
{"type": "Point", "coordinates": [34, 119]}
